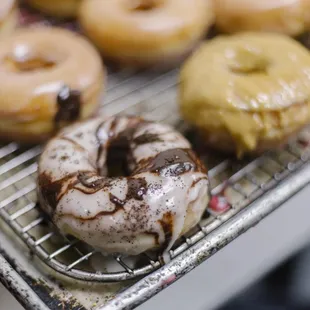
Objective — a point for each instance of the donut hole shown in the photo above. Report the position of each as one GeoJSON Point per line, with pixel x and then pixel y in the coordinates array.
{"type": "Point", "coordinates": [246, 61]}
{"type": "Point", "coordinates": [145, 5]}
{"type": "Point", "coordinates": [25, 58]}
{"type": "Point", "coordinates": [28, 64]}
{"type": "Point", "coordinates": [117, 157]}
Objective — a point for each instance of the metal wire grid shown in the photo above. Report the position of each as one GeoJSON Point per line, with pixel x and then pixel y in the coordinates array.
{"type": "Point", "coordinates": [153, 96]}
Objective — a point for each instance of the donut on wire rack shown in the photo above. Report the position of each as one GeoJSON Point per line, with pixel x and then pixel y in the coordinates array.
{"type": "Point", "coordinates": [146, 32]}
{"type": "Point", "coordinates": [49, 77]}
{"type": "Point", "coordinates": [163, 196]}
{"type": "Point", "coordinates": [247, 93]}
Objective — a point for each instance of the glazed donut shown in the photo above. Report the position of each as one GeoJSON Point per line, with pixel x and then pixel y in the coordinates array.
{"type": "Point", "coordinates": [58, 8]}
{"type": "Point", "coordinates": [164, 195]}
{"type": "Point", "coordinates": [8, 17]}
{"type": "Point", "coordinates": [247, 92]}
{"type": "Point", "coordinates": [146, 32]}
{"type": "Point", "coordinates": [289, 17]}
{"type": "Point", "coordinates": [49, 77]}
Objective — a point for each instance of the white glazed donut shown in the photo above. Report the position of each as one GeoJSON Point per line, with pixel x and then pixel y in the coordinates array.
{"type": "Point", "coordinates": [164, 196]}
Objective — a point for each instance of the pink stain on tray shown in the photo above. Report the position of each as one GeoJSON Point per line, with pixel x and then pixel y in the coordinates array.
{"type": "Point", "coordinates": [219, 203]}
{"type": "Point", "coordinates": [169, 280]}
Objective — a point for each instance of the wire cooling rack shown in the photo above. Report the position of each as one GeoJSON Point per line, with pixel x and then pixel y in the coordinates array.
{"type": "Point", "coordinates": [235, 184]}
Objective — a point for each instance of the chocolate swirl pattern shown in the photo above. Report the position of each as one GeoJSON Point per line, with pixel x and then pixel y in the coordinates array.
{"type": "Point", "coordinates": [69, 106]}
{"type": "Point", "coordinates": [163, 197]}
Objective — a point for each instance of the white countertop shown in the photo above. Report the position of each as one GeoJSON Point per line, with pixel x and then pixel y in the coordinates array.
{"type": "Point", "coordinates": [7, 301]}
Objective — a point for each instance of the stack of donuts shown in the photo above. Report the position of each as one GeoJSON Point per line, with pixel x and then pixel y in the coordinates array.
{"type": "Point", "coordinates": [245, 91]}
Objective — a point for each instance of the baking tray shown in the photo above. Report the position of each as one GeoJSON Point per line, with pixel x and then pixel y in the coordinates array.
{"type": "Point", "coordinates": [44, 269]}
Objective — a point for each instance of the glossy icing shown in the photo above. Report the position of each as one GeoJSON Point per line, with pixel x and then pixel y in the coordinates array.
{"type": "Point", "coordinates": [284, 16]}
{"type": "Point", "coordinates": [8, 17]}
{"type": "Point", "coordinates": [162, 198]}
{"type": "Point", "coordinates": [146, 32]}
{"type": "Point", "coordinates": [58, 8]}
{"type": "Point", "coordinates": [35, 66]}
{"type": "Point", "coordinates": [69, 105]}
{"type": "Point", "coordinates": [251, 86]}
{"type": "Point", "coordinates": [6, 6]}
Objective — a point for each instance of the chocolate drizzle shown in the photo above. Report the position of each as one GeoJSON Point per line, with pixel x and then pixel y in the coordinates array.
{"type": "Point", "coordinates": [173, 162]}
{"type": "Point", "coordinates": [51, 191]}
{"type": "Point", "coordinates": [85, 176]}
{"type": "Point", "coordinates": [155, 235]}
{"type": "Point", "coordinates": [116, 201]}
{"type": "Point", "coordinates": [69, 105]}
{"type": "Point", "coordinates": [102, 213]}
{"type": "Point", "coordinates": [147, 138]}
{"type": "Point", "coordinates": [137, 188]}
{"type": "Point", "coordinates": [167, 226]}
{"type": "Point", "coordinates": [199, 180]}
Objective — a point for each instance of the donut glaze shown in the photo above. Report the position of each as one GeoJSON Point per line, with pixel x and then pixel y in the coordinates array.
{"type": "Point", "coordinates": [49, 77]}
{"type": "Point", "coordinates": [8, 16]}
{"type": "Point", "coordinates": [146, 32]}
{"type": "Point", "coordinates": [289, 17]}
{"type": "Point", "coordinates": [58, 8]}
{"type": "Point", "coordinates": [258, 91]}
{"type": "Point", "coordinates": [163, 197]}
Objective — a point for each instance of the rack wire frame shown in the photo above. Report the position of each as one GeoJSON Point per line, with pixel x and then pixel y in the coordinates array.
{"type": "Point", "coordinates": [235, 184]}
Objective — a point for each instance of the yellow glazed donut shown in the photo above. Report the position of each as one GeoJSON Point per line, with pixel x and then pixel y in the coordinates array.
{"type": "Point", "coordinates": [146, 32]}
{"type": "Point", "coordinates": [8, 16]}
{"type": "Point", "coordinates": [49, 77]}
{"type": "Point", "coordinates": [59, 8]}
{"type": "Point", "coordinates": [248, 92]}
{"type": "Point", "coordinates": [284, 16]}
